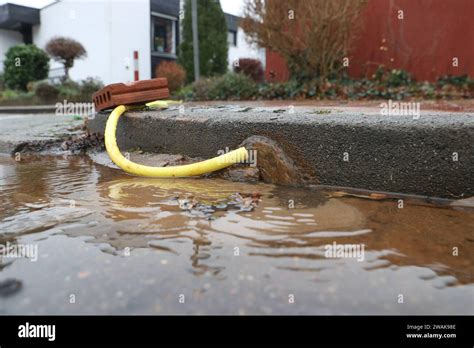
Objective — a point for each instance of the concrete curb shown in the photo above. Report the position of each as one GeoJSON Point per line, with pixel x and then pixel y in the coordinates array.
{"type": "Point", "coordinates": [341, 146]}
{"type": "Point", "coordinates": [30, 109]}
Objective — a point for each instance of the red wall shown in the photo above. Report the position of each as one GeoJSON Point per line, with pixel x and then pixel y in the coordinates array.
{"type": "Point", "coordinates": [424, 43]}
{"type": "Point", "coordinates": [275, 67]}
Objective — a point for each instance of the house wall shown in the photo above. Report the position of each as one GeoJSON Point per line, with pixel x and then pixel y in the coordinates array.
{"type": "Point", "coordinates": [109, 31]}
{"type": "Point", "coordinates": [8, 38]}
{"type": "Point", "coordinates": [424, 42]}
{"type": "Point", "coordinates": [244, 50]}
{"type": "Point", "coordinates": [129, 23]}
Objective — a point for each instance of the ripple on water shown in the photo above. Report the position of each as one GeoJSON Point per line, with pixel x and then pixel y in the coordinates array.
{"type": "Point", "coordinates": [137, 233]}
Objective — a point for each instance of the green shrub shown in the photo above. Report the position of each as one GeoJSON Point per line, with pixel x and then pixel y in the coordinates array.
{"type": "Point", "coordinates": [453, 80]}
{"type": "Point", "coordinates": [69, 90]}
{"type": "Point", "coordinates": [25, 63]}
{"type": "Point", "coordinates": [230, 86]}
{"type": "Point", "coordinates": [288, 90]}
{"type": "Point", "coordinates": [234, 86]}
{"type": "Point", "coordinates": [185, 92]}
{"type": "Point", "coordinates": [2, 82]}
{"type": "Point", "coordinates": [46, 92]}
{"type": "Point", "coordinates": [384, 84]}
{"type": "Point", "coordinates": [10, 94]}
{"type": "Point", "coordinates": [202, 88]}
{"type": "Point", "coordinates": [16, 97]}
{"type": "Point", "coordinates": [397, 78]}
{"type": "Point", "coordinates": [88, 87]}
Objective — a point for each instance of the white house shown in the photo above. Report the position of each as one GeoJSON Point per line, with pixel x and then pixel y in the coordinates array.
{"type": "Point", "coordinates": [238, 45]}
{"type": "Point", "coordinates": [111, 31]}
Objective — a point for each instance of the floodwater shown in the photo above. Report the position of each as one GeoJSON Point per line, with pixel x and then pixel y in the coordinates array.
{"type": "Point", "coordinates": [92, 240]}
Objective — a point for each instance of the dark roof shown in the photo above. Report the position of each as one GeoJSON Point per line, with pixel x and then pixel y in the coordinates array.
{"type": "Point", "coordinates": [166, 7]}
{"type": "Point", "coordinates": [232, 21]}
{"type": "Point", "coordinates": [15, 17]}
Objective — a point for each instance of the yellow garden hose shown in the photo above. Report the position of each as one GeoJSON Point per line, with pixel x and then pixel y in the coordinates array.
{"type": "Point", "coordinates": [193, 169]}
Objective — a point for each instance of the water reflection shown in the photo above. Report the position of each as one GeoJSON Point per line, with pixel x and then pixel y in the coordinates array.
{"type": "Point", "coordinates": [284, 237]}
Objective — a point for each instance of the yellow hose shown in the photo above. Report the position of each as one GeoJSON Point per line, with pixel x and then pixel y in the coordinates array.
{"type": "Point", "coordinates": [193, 169]}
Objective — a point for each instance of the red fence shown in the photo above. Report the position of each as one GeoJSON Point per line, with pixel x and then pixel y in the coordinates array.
{"type": "Point", "coordinates": [429, 38]}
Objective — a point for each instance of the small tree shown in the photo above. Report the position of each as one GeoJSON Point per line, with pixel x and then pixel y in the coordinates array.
{"type": "Point", "coordinates": [65, 51]}
{"type": "Point", "coordinates": [24, 63]}
{"type": "Point", "coordinates": [313, 36]}
{"type": "Point", "coordinates": [212, 29]}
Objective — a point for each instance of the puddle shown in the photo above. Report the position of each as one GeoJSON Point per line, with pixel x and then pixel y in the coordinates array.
{"type": "Point", "coordinates": [109, 243]}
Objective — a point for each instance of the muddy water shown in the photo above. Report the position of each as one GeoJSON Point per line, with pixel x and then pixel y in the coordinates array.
{"type": "Point", "coordinates": [108, 243]}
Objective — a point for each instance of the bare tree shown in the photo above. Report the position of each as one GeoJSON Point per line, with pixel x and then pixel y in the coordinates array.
{"type": "Point", "coordinates": [65, 51]}
{"type": "Point", "coordinates": [314, 36]}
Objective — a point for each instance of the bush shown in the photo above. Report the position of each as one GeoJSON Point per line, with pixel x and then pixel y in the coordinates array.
{"type": "Point", "coordinates": [233, 86]}
{"type": "Point", "coordinates": [25, 63]}
{"type": "Point", "coordinates": [202, 88]}
{"type": "Point", "coordinates": [393, 84]}
{"type": "Point", "coordinates": [46, 92]}
{"type": "Point", "coordinates": [16, 97]}
{"type": "Point", "coordinates": [186, 92]}
{"type": "Point", "coordinates": [397, 78]}
{"type": "Point", "coordinates": [174, 72]}
{"type": "Point", "coordinates": [286, 90]}
{"type": "Point", "coordinates": [250, 67]}
{"type": "Point", "coordinates": [10, 94]}
{"type": "Point", "coordinates": [460, 81]}
{"type": "Point", "coordinates": [89, 86]}
{"type": "Point", "coordinates": [40, 92]}
{"type": "Point", "coordinates": [69, 90]}
{"type": "Point", "coordinates": [230, 86]}
{"type": "Point", "coordinates": [2, 82]}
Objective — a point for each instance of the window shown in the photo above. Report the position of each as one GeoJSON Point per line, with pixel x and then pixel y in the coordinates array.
{"type": "Point", "coordinates": [163, 35]}
{"type": "Point", "coordinates": [232, 38]}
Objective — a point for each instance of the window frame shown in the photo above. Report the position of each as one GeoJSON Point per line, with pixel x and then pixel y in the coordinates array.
{"type": "Point", "coordinates": [234, 34]}
{"type": "Point", "coordinates": [174, 21]}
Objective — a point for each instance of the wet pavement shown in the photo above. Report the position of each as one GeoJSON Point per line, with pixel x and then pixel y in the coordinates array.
{"type": "Point", "coordinates": [109, 243]}
{"type": "Point", "coordinates": [16, 128]}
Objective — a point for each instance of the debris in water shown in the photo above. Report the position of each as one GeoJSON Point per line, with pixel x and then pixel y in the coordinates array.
{"type": "Point", "coordinates": [237, 201]}
{"type": "Point", "coordinates": [247, 203]}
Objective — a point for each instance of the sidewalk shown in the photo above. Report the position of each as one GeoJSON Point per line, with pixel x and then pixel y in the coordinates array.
{"type": "Point", "coordinates": [28, 109]}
